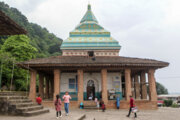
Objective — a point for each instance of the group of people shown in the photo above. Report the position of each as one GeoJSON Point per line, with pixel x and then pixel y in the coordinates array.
{"type": "Point", "coordinates": [100, 104]}
{"type": "Point", "coordinates": [58, 103]}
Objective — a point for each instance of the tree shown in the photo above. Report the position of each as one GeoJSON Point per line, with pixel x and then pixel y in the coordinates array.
{"type": "Point", "coordinates": [19, 47]}
{"type": "Point", "coordinates": [161, 89]}
{"type": "Point", "coordinates": [15, 49]}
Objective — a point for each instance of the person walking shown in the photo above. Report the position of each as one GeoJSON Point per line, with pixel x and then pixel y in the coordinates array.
{"type": "Point", "coordinates": [66, 99]}
{"type": "Point", "coordinates": [131, 106]}
{"type": "Point", "coordinates": [57, 104]}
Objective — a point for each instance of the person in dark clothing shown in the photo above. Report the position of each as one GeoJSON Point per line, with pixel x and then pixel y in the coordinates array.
{"type": "Point", "coordinates": [131, 106]}
{"type": "Point", "coordinates": [103, 106]}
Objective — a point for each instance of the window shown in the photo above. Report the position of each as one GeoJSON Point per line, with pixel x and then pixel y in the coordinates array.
{"type": "Point", "coordinates": [73, 83]}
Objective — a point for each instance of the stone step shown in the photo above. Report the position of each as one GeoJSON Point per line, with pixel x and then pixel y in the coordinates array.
{"type": "Point", "coordinates": [91, 107]}
{"type": "Point", "coordinates": [12, 93]}
{"type": "Point", "coordinates": [26, 109]}
{"type": "Point", "coordinates": [36, 112]}
{"type": "Point", "coordinates": [17, 97]}
{"type": "Point", "coordinates": [13, 101]}
{"type": "Point", "coordinates": [18, 105]}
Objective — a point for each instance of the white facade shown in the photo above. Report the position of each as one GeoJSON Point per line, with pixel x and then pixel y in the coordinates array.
{"type": "Point", "coordinates": [113, 81]}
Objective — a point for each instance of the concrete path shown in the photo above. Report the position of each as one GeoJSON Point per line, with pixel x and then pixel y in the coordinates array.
{"type": "Point", "coordinates": [160, 114]}
{"type": "Point", "coordinates": [74, 114]}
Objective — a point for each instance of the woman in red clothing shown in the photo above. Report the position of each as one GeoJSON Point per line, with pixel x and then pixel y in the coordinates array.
{"type": "Point", "coordinates": [131, 106]}
{"type": "Point", "coordinates": [57, 104]}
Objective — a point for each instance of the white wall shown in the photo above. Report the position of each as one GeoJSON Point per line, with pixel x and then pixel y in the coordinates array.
{"type": "Point", "coordinates": [96, 77]}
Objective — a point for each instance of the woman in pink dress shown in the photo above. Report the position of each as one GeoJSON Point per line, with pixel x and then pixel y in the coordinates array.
{"type": "Point", "coordinates": [66, 98]}
{"type": "Point", "coordinates": [57, 104]}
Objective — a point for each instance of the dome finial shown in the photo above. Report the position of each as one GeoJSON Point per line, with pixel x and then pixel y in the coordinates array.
{"type": "Point", "coordinates": [89, 6]}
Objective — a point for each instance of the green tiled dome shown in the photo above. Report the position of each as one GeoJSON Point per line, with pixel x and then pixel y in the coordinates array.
{"type": "Point", "coordinates": [89, 35]}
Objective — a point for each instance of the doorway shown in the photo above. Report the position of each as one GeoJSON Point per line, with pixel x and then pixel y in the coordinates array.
{"type": "Point", "coordinates": [90, 90]}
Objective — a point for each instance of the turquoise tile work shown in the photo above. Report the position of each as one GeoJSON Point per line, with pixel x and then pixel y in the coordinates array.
{"type": "Point", "coordinates": [90, 35]}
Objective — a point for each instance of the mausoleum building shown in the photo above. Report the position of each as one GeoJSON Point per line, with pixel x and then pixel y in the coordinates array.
{"type": "Point", "coordinates": [90, 66]}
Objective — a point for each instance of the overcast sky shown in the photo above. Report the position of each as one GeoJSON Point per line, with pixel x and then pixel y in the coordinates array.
{"type": "Point", "coordinates": [144, 28]}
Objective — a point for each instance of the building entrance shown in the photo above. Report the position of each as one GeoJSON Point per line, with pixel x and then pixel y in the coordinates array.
{"type": "Point", "coordinates": [90, 90]}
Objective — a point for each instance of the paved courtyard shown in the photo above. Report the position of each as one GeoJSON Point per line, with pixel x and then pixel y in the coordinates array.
{"type": "Point", "coordinates": [160, 114]}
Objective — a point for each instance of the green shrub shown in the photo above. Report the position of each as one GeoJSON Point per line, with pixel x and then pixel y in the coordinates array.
{"type": "Point", "coordinates": [168, 103]}
{"type": "Point", "coordinates": [174, 105]}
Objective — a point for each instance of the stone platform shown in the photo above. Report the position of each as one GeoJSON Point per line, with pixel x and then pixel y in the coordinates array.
{"type": "Point", "coordinates": [15, 103]}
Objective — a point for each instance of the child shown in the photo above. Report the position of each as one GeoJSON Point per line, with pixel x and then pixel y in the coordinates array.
{"type": "Point", "coordinates": [57, 104]}
{"type": "Point", "coordinates": [117, 102]}
{"type": "Point", "coordinates": [97, 102]}
{"type": "Point", "coordinates": [81, 105]}
{"type": "Point", "coordinates": [103, 106]}
{"type": "Point", "coordinates": [39, 100]}
{"type": "Point", "coordinates": [66, 98]}
{"type": "Point", "coordinates": [98, 105]}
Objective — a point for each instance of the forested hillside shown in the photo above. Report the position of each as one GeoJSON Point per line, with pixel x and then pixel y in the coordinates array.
{"type": "Point", "coordinates": [46, 43]}
{"type": "Point", "coordinates": [37, 43]}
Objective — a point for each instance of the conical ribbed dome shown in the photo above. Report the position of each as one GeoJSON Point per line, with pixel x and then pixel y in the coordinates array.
{"type": "Point", "coordinates": [89, 35]}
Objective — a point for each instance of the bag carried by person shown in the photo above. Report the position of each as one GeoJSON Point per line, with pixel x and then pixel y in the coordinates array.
{"type": "Point", "coordinates": [134, 109]}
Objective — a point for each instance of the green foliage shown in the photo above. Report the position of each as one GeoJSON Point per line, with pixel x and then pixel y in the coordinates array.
{"type": "Point", "coordinates": [174, 105]}
{"type": "Point", "coordinates": [161, 89]}
{"type": "Point", "coordinates": [19, 48]}
{"type": "Point", "coordinates": [15, 49]}
{"type": "Point", "coordinates": [168, 103]}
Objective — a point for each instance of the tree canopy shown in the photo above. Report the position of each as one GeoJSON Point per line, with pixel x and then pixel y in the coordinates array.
{"type": "Point", "coordinates": [37, 43]}
{"type": "Point", "coordinates": [15, 49]}
{"type": "Point", "coordinates": [161, 89]}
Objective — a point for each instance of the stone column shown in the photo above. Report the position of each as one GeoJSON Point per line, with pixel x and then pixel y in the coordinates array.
{"type": "Point", "coordinates": [128, 83]}
{"type": "Point", "coordinates": [47, 87]}
{"type": "Point", "coordinates": [132, 87]}
{"type": "Point", "coordinates": [152, 85]}
{"type": "Point", "coordinates": [41, 85]}
{"type": "Point", "coordinates": [143, 86]}
{"type": "Point", "coordinates": [137, 87]}
{"type": "Point", "coordinates": [104, 85]}
{"type": "Point", "coordinates": [52, 87]}
{"type": "Point", "coordinates": [32, 92]}
{"type": "Point", "coordinates": [56, 83]}
{"type": "Point", "coordinates": [80, 86]}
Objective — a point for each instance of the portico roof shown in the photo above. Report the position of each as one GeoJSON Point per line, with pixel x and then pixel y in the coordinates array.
{"type": "Point", "coordinates": [78, 61]}
{"type": "Point", "coordinates": [9, 27]}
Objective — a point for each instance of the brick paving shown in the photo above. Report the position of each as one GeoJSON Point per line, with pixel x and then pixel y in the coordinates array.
{"type": "Point", "coordinates": [160, 114]}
